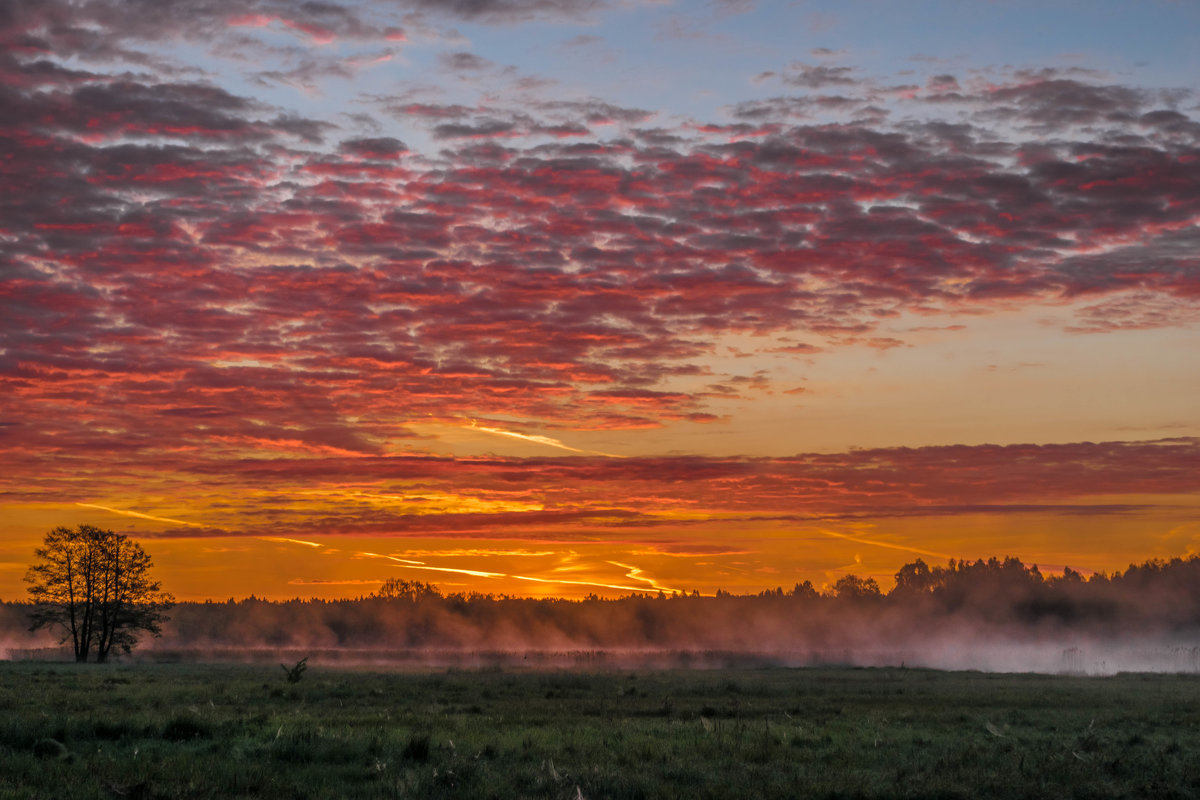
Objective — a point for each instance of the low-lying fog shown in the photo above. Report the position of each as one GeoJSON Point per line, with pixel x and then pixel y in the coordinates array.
{"type": "Point", "coordinates": [995, 616]}
{"type": "Point", "coordinates": [943, 652]}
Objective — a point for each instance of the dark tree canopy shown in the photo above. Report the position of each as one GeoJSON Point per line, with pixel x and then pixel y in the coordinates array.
{"type": "Point", "coordinates": [401, 589]}
{"type": "Point", "coordinates": [95, 585]}
{"type": "Point", "coordinates": [852, 587]}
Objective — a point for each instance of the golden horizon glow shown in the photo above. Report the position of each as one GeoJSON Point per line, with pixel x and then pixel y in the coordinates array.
{"type": "Point", "coordinates": [319, 308]}
{"type": "Point", "coordinates": [697, 557]}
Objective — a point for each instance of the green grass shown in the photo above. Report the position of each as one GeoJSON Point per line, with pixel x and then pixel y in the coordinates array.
{"type": "Point", "coordinates": [209, 731]}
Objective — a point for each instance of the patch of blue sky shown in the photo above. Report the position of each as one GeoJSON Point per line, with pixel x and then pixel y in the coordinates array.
{"type": "Point", "coordinates": [689, 61]}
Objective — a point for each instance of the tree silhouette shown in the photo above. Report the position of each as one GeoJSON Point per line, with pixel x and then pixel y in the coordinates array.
{"type": "Point", "coordinates": [95, 584]}
{"type": "Point", "coordinates": [914, 580]}
{"type": "Point", "coordinates": [411, 591]}
{"type": "Point", "coordinates": [852, 587]}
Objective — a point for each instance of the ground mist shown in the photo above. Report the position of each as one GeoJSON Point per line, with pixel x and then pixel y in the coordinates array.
{"type": "Point", "coordinates": [995, 615]}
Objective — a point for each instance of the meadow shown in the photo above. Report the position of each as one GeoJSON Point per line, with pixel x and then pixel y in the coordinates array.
{"type": "Point", "coordinates": [139, 730]}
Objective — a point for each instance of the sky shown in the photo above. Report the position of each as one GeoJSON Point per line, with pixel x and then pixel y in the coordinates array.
{"type": "Point", "coordinates": [563, 297]}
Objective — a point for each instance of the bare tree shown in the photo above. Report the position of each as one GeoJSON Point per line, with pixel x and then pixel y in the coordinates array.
{"type": "Point", "coordinates": [95, 585]}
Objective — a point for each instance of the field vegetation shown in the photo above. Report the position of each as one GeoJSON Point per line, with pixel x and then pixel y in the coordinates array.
{"type": "Point", "coordinates": [226, 731]}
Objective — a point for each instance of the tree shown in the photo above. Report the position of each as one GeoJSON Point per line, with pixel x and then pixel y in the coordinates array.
{"type": "Point", "coordinates": [852, 587]}
{"type": "Point", "coordinates": [401, 589]}
{"type": "Point", "coordinates": [805, 591]}
{"type": "Point", "coordinates": [95, 584]}
{"type": "Point", "coordinates": [915, 579]}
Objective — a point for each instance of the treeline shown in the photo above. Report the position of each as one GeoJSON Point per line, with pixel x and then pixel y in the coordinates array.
{"type": "Point", "coordinates": [962, 598]}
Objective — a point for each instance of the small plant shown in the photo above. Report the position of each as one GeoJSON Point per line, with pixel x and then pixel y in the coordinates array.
{"type": "Point", "coordinates": [294, 674]}
{"type": "Point", "coordinates": [417, 748]}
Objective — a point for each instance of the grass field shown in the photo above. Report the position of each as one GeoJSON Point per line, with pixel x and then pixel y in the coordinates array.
{"type": "Point", "coordinates": [223, 731]}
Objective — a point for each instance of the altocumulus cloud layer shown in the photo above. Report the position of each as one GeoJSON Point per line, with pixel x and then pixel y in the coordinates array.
{"type": "Point", "coordinates": [199, 279]}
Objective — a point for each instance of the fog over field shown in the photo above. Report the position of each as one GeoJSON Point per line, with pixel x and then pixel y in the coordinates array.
{"type": "Point", "coordinates": [996, 616]}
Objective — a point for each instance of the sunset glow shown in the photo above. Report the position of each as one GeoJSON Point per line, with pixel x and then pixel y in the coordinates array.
{"type": "Point", "coordinates": [570, 298]}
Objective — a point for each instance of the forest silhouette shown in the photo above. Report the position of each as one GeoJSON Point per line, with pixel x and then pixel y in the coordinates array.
{"type": "Point", "coordinates": [950, 615]}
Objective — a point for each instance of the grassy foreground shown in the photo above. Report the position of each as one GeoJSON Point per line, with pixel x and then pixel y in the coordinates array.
{"type": "Point", "coordinates": [205, 731]}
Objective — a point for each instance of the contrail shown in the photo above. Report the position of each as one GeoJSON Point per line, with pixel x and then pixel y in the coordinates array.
{"type": "Point", "coordinates": [140, 515]}
{"type": "Point", "coordinates": [422, 565]}
{"type": "Point", "coordinates": [888, 545]}
{"type": "Point", "coordinates": [293, 541]}
{"type": "Point", "coordinates": [636, 574]}
{"type": "Point", "coordinates": [478, 552]}
{"type": "Point", "coordinates": [536, 439]}
{"type": "Point", "coordinates": [411, 564]}
{"type": "Point", "coordinates": [578, 583]}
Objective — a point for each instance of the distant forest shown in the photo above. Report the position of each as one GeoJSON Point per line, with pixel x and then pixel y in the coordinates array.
{"type": "Point", "coordinates": [981, 601]}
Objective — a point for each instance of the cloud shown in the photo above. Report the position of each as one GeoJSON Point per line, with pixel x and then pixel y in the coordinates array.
{"type": "Point", "coordinates": [263, 285]}
{"type": "Point", "coordinates": [463, 62]}
{"type": "Point", "coordinates": [818, 76]}
{"type": "Point", "coordinates": [1052, 103]}
{"type": "Point", "coordinates": [384, 148]}
{"type": "Point", "coordinates": [483, 129]}
{"type": "Point", "coordinates": [575, 496]}
{"type": "Point", "coordinates": [583, 40]}
{"type": "Point", "coordinates": [512, 11]}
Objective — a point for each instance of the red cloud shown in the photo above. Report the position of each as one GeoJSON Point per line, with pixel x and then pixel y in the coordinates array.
{"type": "Point", "coordinates": [173, 245]}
